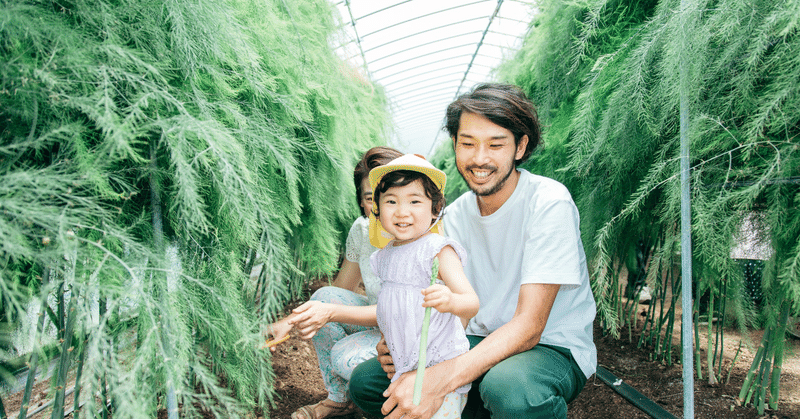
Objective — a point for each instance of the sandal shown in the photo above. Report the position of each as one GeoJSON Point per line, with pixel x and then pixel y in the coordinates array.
{"type": "Point", "coordinates": [334, 410]}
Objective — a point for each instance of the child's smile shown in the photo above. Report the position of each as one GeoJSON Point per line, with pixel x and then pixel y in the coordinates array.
{"type": "Point", "coordinates": [405, 212]}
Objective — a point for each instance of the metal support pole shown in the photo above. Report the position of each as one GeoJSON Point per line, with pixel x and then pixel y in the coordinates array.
{"type": "Point", "coordinates": [686, 225]}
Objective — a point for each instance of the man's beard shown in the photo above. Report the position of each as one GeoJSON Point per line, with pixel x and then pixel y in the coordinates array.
{"type": "Point", "coordinates": [492, 189]}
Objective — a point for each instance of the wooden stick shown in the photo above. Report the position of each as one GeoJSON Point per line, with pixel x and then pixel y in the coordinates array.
{"type": "Point", "coordinates": [273, 342]}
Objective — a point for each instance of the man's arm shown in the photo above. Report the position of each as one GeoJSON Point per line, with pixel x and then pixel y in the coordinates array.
{"type": "Point", "coordinates": [518, 335]}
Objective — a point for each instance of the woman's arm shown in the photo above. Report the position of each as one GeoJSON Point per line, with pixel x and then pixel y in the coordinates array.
{"type": "Point", "coordinates": [312, 315]}
{"type": "Point", "coordinates": [348, 277]}
{"type": "Point", "coordinates": [456, 295]}
{"type": "Point", "coordinates": [309, 317]}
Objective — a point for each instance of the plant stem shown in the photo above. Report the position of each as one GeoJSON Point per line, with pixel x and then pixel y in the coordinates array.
{"type": "Point", "coordinates": [710, 349]}
{"type": "Point", "coordinates": [423, 341]}
{"type": "Point", "coordinates": [748, 381]}
{"type": "Point", "coordinates": [33, 361]}
{"type": "Point", "coordinates": [64, 359]}
{"type": "Point", "coordinates": [676, 290]}
{"type": "Point", "coordinates": [735, 357]}
{"type": "Point", "coordinates": [780, 333]}
{"type": "Point", "coordinates": [78, 375]}
{"type": "Point", "coordinates": [616, 295]}
{"type": "Point", "coordinates": [634, 304]}
{"type": "Point", "coordinates": [696, 326]}
{"type": "Point", "coordinates": [721, 326]}
{"type": "Point", "coordinates": [61, 314]}
{"type": "Point", "coordinates": [763, 374]}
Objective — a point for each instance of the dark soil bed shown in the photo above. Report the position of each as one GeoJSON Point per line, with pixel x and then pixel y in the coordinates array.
{"type": "Point", "coordinates": [299, 381]}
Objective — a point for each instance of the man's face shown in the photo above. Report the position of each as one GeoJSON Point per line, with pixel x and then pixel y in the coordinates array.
{"type": "Point", "coordinates": [485, 153]}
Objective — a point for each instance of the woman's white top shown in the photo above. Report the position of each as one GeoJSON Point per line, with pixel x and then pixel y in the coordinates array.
{"type": "Point", "coordinates": [358, 250]}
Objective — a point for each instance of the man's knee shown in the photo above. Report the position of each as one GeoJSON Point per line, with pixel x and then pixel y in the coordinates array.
{"type": "Point", "coordinates": [508, 393]}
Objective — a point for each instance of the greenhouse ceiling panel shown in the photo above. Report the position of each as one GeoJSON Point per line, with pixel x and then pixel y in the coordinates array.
{"type": "Point", "coordinates": [425, 53]}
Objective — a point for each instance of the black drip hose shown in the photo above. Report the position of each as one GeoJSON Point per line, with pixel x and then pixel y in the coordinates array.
{"type": "Point", "coordinates": [630, 394]}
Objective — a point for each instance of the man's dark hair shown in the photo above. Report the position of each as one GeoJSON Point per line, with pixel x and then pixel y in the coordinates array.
{"type": "Point", "coordinates": [374, 157]}
{"type": "Point", "coordinates": [505, 105]}
{"type": "Point", "coordinates": [403, 178]}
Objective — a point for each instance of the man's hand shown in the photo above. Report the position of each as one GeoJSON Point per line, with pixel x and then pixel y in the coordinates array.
{"type": "Point", "coordinates": [400, 394]}
{"type": "Point", "coordinates": [385, 358]}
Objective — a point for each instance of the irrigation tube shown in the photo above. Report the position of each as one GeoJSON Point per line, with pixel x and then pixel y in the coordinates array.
{"type": "Point", "coordinates": [632, 395]}
{"type": "Point", "coordinates": [686, 225]}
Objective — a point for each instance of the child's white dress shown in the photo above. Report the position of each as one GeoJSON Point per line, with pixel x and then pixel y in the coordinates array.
{"type": "Point", "coordinates": [404, 272]}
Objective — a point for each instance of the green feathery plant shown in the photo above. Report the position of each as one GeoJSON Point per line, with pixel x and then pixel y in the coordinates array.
{"type": "Point", "coordinates": [610, 108]}
{"type": "Point", "coordinates": [151, 153]}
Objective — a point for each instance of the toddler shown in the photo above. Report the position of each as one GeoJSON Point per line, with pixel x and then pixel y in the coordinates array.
{"type": "Point", "coordinates": [407, 207]}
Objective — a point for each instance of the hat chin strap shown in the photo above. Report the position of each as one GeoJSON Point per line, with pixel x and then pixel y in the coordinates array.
{"type": "Point", "coordinates": [438, 217]}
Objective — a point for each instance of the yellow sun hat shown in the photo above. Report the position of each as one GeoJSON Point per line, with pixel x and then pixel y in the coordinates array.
{"type": "Point", "coordinates": [378, 236]}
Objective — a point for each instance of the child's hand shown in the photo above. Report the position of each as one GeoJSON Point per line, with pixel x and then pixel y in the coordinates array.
{"type": "Point", "coordinates": [278, 330]}
{"type": "Point", "coordinates": [439, 297]}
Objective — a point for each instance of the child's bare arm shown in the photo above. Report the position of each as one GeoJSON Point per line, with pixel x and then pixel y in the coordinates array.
{"type": "Point", "coordinates": [457, 295]}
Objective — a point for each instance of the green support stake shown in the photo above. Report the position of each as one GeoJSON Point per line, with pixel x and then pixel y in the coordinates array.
{"type": "Point", "coordinates": [423, 340]}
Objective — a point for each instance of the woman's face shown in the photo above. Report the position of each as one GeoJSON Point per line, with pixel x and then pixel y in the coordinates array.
{"type": "Point", "coordinates": [366, 196]}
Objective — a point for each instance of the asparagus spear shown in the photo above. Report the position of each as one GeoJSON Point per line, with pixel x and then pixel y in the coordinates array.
{"type": "Point", "coordinates": [423, 340]}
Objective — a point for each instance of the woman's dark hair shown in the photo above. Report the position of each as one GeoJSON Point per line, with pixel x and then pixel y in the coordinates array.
{"type": "Point", "coordinates": [374, 157]}
{"type": "Point", "coordinates": [403, 178]}
{"type": "Point", "coordinates": [505, 105]}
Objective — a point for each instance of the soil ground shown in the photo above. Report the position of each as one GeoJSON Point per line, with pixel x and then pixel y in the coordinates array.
{"type": "Point", "coordinates": [298, 381]}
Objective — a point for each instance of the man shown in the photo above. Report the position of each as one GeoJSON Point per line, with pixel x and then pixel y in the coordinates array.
{"type": "Point", "coordinates": [531, 341]}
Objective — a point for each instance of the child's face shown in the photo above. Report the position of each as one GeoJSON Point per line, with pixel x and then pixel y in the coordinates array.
{"type": "Point", "coordinates": [406, 212]}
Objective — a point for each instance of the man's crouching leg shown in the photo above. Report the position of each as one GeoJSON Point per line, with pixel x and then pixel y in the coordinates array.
{"type": "Point", "coordinates": [534, 384]}
{"type": "Point", "coordinates": [367, 385]}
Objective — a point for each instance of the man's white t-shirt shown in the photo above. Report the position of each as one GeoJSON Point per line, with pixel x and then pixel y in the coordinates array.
{"type": "Point", "coordinates": [534, 238]}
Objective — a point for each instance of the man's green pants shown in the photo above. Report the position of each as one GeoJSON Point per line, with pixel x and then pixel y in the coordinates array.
{"type": "Point", "coordinates": [534, 384]}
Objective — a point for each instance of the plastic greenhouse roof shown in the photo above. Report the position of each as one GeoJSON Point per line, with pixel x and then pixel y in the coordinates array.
{"type": "Point", "coordinates": [427, 52]}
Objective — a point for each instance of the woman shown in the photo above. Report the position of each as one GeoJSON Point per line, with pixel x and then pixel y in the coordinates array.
{"type": "Point", "coordinates": [338, 320]}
